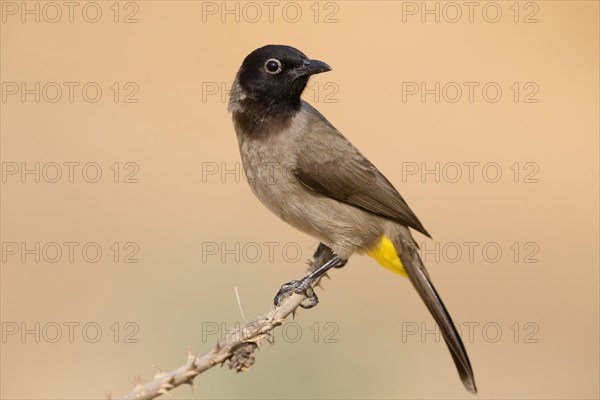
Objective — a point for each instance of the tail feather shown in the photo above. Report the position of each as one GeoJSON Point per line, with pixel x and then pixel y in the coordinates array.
{"type": "Point", "coordinates": [420, 279]}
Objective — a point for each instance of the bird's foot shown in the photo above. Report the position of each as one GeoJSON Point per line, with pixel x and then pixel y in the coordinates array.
{"type": "Point", "coordinates": [303, 286]}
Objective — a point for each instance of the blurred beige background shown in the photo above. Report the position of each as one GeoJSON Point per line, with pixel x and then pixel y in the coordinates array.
{"type": "Point", "coordinates": [197, 231]}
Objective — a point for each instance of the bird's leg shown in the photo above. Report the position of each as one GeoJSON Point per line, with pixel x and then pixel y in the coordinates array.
{"type": "Point", "coordinates": [304, 285]}
{"type": "Point", "coordinates": [322, 254]}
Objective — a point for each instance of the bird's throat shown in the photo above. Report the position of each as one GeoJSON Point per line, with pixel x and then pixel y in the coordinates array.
{"type": "Point", "coordinates": [257, 120]}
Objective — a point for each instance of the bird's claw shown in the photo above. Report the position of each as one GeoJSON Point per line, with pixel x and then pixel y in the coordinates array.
{"type": "Point", "coordinates": [303, 286]}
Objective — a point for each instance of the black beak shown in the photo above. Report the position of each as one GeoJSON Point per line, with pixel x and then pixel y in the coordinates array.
{"type": "Point", "coordinates": [311, 67]}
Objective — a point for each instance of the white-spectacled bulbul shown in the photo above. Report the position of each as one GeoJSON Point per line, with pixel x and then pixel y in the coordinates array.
{"type": "Point", "coordinates": [320, 183]}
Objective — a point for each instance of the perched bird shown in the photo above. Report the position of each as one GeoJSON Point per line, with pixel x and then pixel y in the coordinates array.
{"type": "Point", "coordinates": [307, 173]}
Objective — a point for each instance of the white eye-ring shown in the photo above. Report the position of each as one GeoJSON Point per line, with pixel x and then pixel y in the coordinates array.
{"type": "Point", "coordinates": [273, 66]}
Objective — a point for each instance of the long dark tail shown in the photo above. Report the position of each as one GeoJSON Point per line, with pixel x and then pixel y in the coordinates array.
{"type": "Point", "coordinates": [420, 279]}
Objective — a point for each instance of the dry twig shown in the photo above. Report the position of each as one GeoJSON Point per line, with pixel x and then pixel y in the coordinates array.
{"type": "Point", "coordinates": [238, 346]}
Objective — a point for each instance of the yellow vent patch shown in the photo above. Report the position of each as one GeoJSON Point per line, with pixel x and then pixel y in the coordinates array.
{"type": "Point", "coordinates": [385, 253]}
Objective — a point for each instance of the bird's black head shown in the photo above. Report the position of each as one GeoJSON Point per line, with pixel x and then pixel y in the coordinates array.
{"type": "Point", "coordinates": [274, 76]}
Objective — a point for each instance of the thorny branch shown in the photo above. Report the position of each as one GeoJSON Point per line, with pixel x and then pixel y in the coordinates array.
{"type": "Point", "coordinates": [238, 346]}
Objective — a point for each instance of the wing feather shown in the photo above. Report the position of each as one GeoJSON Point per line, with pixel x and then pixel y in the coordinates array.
{"type": "Point", "coordinates": [330, 165]}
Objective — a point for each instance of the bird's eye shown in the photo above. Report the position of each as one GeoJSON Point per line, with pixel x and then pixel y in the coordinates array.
{"type": "Point", "coordinates": [273, 66]}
